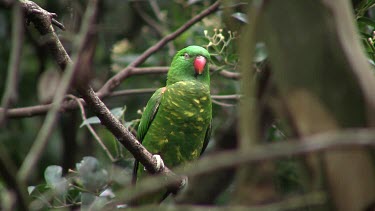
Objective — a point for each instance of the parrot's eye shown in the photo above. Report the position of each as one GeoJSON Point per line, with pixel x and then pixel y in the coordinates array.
{"type": "Point", "coordinates": [186, 56]}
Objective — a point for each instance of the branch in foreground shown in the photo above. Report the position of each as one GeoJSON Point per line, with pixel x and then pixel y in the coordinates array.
{"type": "Point", "coordinates": [10, 93]}
{"type": "Point", "coordinates": [345, 139]}
{"type": "Point", "coordinates": [8, 173]}
{"type": "Point", "coordinates": [290, 203]}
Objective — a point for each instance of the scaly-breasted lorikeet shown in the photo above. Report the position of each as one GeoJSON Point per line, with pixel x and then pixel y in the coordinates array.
{"type": "Point", "coordinates": [176, 123]}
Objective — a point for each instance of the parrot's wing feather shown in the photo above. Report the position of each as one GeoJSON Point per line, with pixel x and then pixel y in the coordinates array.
{"type": "Point", "coordinates": [149, 113]}
{"type": "Point", "coordinates": [146, 120]}
{"type": "Point", "coordinates": [207, 138]}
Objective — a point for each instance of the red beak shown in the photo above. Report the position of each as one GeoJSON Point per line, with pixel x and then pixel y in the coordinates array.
{"type": "Point", "coordinates": [199, 64]}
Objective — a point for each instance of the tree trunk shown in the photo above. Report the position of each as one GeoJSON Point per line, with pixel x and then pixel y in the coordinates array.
{"type": "Point", "coordinates": [322, 74]}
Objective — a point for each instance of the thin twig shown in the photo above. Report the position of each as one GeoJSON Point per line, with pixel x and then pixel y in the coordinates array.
{"type": "Point", "coordinates": [132, 91]}
{"type": "Point", "coordinates": [230, 75]}
{"type": "Point", "coordinates": [226, 97]}
{"type": "Point", "coordinates": [155, 8]}
{"type": "Point", "coordinates": [10, 94]}
{"type": "Point", "coordinates": [118, 78]}
{"type": "Point", "coordinates": [222, 104]}
{"type": "Point", "coordinates": [43, 136]}
{"type": "Point", "coordinates": [89, 127]}
{"type": "Point", "coordinates": [149, 20]}
{"type": "Point", "coordinates": [58, 24]}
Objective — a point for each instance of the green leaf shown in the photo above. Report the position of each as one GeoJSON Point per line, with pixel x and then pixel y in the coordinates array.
{"type": "Point", "coordinates": [30, 189]}
{"type": "Point", "coordinates": [53, 174]}
{"type": "Point", "coordinates": [363, 7]}
{"type": "Point", "coordinates": [92, 175]}
{"type": "Point", "coordinates": [117, 112]}
{"type": "Point", "coordinates": [367, 21]}
{"type": "Point", "coordinates": [54, 179]}
{"type": "Point", "coordinates": [38, 191]}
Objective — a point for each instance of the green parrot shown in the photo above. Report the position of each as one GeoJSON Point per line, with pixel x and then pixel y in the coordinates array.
{"type": "Point", "coordinates": [176, 123]}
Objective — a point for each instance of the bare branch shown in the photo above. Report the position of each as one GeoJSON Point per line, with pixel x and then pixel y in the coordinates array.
{"type": "Point", "coordinates": [42, 21]}
{"type": "Point", "coordinates": [132, 91]}
{"type": "Point", "coordinates": [230, 75]}
{"type": "Point", "coordinates": [68, 105]}
{"type": "Point", "coordinates": [92, 131]}
{"type": "Point", "coordinates": [226, 97]}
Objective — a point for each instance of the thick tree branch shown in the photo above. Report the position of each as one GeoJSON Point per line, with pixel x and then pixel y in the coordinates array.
{"type": "Point", "coordinates": [42, 21]}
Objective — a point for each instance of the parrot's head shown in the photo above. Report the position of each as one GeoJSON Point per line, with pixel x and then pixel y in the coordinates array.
{"type": "Point", "coordinates": [190, 63]}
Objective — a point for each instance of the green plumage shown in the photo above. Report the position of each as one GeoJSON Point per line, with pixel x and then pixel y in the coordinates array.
{"type": "Point", "coordinates": [176, 123]}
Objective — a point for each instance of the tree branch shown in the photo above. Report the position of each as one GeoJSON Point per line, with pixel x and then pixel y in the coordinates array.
{"type": "Point", "coordinates": [116, 80]}
{"type": "Point", "coordinates": [70, 105]}
{"type": "Point", "coordinates": [42, 21]}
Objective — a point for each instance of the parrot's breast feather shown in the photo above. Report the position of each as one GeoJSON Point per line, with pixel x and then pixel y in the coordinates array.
{"type": "Point", "coordinates": [179, 129]}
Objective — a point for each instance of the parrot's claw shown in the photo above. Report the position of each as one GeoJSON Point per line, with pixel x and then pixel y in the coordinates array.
{"type": "Point", "coordinates": [184, 182]}
{"type": "Point", "coordinates": [159, 162]}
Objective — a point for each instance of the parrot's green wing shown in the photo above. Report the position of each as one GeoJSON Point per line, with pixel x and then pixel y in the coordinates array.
{"type": "Point", "coordinates": [146, 120]}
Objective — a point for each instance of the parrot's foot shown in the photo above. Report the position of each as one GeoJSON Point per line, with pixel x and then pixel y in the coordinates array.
{"type": "Point", "coordinates": [159, 163]}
